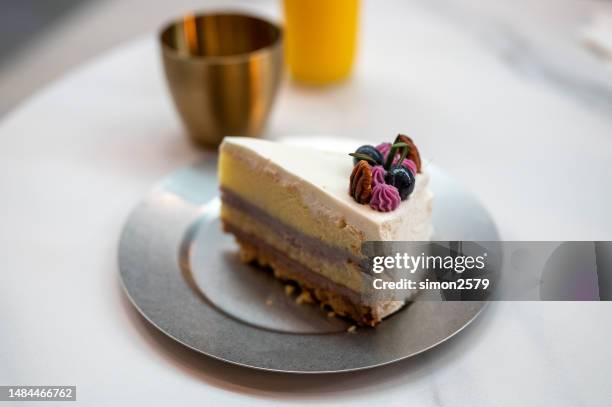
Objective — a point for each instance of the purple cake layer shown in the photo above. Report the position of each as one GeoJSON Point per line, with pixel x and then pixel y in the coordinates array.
{"type": "Point", "coordinates": [313, 246]}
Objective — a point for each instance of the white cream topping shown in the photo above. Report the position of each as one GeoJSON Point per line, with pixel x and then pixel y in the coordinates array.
{"type": "Point", "coordinates": [322, 177]}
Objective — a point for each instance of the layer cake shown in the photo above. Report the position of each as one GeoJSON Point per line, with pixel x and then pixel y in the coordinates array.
{"type": "Point", "coordinates": [297, 211]}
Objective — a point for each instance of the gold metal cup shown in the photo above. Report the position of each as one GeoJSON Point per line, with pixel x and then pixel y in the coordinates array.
{"type": "Point", "coordinates": [223, 71]}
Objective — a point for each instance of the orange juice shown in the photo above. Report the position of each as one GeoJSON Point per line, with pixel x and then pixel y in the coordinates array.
{"type": "Point", "coordinates": [320, 39]}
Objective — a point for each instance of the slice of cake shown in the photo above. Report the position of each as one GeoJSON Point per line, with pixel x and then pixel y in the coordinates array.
{"type": "Point", "coordinates": [306, 213]}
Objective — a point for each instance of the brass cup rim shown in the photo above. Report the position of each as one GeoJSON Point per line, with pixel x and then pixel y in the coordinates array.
{"type": "Point", "coordinates": [171, 51]}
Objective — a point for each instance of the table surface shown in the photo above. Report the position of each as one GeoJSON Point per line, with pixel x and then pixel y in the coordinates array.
{"type": "Point", "coordinates": [533, 145]}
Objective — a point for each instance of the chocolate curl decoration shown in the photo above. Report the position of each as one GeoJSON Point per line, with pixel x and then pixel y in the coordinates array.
{"type": "Point", "coordinates": [413, 151]}
{"type": "Point", "coordinates": [360, 186]}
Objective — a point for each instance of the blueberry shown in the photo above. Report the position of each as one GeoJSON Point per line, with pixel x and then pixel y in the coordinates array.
{"type": "Point", "coordinates": [402, 179]}
{"type": "Point", "coordinates": [376, 158]}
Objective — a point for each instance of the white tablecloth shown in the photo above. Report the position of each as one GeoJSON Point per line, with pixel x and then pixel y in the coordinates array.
{"type": "Point", "coordinates": [78, 156]}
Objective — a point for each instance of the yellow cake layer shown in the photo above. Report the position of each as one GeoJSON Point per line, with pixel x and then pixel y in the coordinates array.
{"type": "Point", "coordinates": [261, 188]}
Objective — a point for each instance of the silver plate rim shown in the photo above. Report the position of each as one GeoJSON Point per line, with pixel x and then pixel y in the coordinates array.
{"type": "Point", "coordinates": [483, 307]}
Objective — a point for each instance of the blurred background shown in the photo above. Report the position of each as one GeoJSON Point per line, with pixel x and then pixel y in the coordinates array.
{"type": "Point", "coordinates": [512, 99]}
{"type": "Point", "coordinates": [40, 40]}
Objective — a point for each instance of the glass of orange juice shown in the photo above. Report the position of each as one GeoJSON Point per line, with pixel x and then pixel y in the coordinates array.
{"type": "Point", "coordinates": [320, 39]}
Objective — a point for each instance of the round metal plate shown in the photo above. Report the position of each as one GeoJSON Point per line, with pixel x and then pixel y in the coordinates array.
{"type": "Point", "coordinates": [181, 272]}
